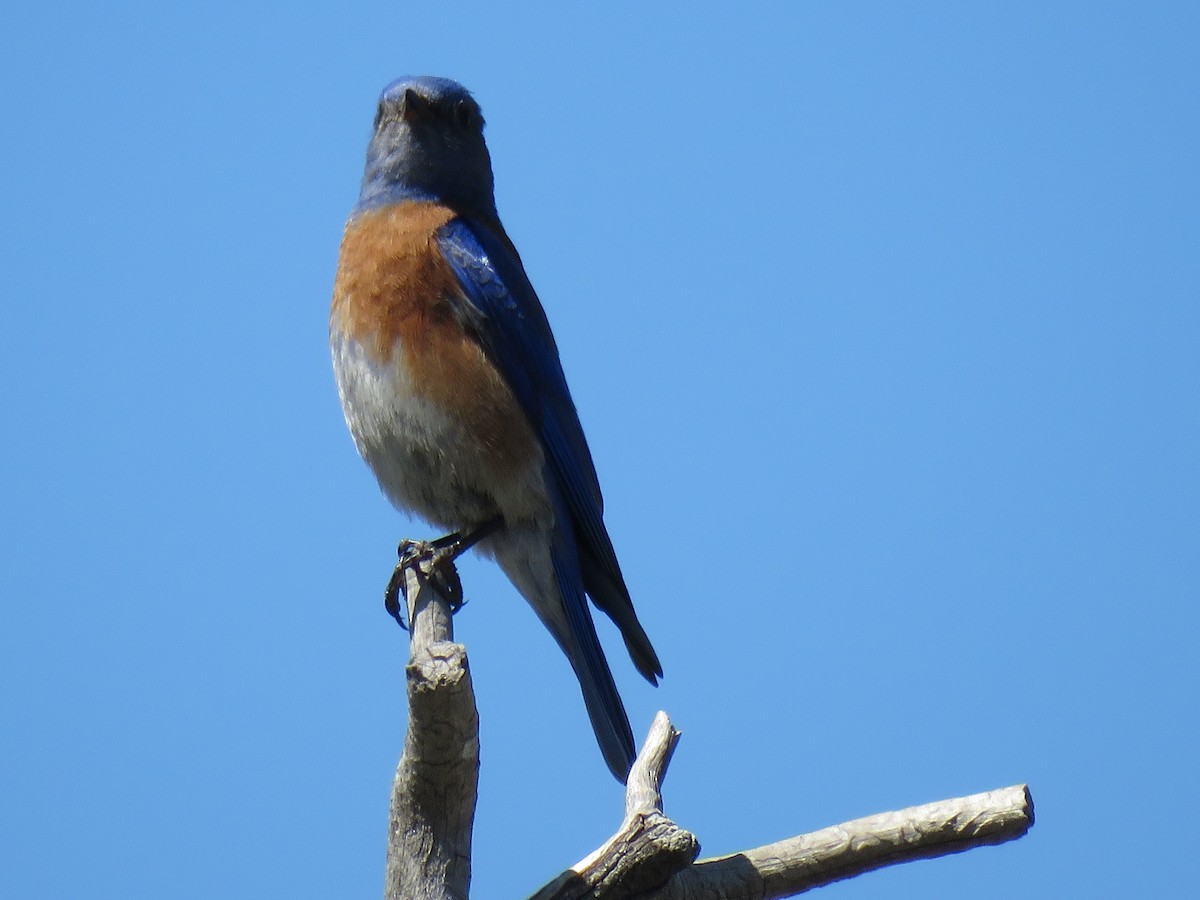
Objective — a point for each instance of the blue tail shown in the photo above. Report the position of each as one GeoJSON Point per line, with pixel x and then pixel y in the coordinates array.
{"type": "Point", "coordinates": [609, 719]}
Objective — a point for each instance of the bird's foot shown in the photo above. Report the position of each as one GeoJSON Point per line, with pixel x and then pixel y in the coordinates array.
{"type": "Point", "coordinates": [434, 560]}
{"type": "Point", "coordinates": [430, 561]}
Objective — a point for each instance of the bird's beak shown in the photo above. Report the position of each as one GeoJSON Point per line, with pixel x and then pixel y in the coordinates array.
{"type": "Point", "coordinates": [415, 106]}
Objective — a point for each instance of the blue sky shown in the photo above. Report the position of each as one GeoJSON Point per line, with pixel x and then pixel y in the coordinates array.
{"type": "Point", "coordinates": [884, 325]}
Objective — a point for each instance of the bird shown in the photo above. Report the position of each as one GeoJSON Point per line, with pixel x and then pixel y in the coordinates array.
{"type": "Point", "coordinates": [453, 391]}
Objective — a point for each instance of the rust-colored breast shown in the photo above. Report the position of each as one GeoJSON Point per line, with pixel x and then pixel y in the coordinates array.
{"type": "Point", "coordinates": [392, 296]}
{"type": "Point", "coordinates": [391, 277]}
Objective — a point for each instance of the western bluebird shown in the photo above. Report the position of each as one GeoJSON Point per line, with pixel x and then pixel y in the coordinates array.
{"type": "Point", "coordinates": [453, 390]}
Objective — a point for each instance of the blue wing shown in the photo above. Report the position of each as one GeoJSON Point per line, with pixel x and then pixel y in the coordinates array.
{"type": "Point", "coordinates": [507, 319]}
{"type": "Point", "coordinates": [505, 315]}
{"type": "Point", "coordinates": [500, 309]}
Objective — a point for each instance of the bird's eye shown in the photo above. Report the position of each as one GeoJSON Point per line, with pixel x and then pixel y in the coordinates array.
{"type": "Point", "coordinates": [463, 114]}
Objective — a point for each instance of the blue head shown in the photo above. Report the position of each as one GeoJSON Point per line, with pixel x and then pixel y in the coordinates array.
{"type": "Point", "coordinates": [428, 145]}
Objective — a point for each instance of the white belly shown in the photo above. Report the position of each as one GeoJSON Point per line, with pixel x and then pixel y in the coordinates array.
{"type": "Point", "coordinates": [426, 462]}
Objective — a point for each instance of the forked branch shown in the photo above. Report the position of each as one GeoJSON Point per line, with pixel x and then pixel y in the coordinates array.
{"type": "Point", "coordinates": [782, 869]}
{"type": "Point", "coordinates": [434, 795]}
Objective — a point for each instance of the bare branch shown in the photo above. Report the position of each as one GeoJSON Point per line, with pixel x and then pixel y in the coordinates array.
{"type": "Point", "coordinates": [643, 791]}
{"type": "Point", "coordinates": [434, 792]}
{"type": "Point", "coordinates": [650, 856]}
{"type": "Point", "coordinates": [648, 847]}
{"type": "Point", "coordinates": [795, 865]}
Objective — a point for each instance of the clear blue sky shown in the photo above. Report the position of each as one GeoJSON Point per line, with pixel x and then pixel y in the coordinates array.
{"type": "Point", "coordinates": [884, 324]}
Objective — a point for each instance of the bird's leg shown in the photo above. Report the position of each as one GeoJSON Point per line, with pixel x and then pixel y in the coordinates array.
{"type": "Point", "coordinates": [440, 554]}
{"type": "Point", "coordinates": [454, 545]}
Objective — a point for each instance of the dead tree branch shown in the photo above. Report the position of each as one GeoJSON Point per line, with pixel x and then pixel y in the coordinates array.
{"type": "Point", "coordinates": [434, 792]}
{"type": "Point", "coordinates": [434, 796]}
{"type": "Point", "coordinates": [790, 867]}
{"type": "Point", "coordinates": [651, 857]}
{"type": "Point", "coordinates": [648, 848]}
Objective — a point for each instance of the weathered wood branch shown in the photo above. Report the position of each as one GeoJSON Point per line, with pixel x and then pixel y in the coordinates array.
{"type": "Point", "coordinates": [651, 857]}
{"type": "Point", "coordinates": [434, 791]}
{"type": "Point", "coordinates": [648, 848]}
{"type": "Point", "coordinates": [790, 867]}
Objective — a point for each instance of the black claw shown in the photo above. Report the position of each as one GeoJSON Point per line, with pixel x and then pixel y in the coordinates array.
{"type": "Point", "coordinates": [441, 554]}
{"type": "Point", "coordinates": [395, 585]}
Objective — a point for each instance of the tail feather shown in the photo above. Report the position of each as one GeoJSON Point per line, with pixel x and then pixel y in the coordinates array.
{"type": "Point", "coordinates": [609, 720]}
{"type": "Point", "coordinates": [610, 595]}
{"type": "Point", "coordinates": [544, 566]}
